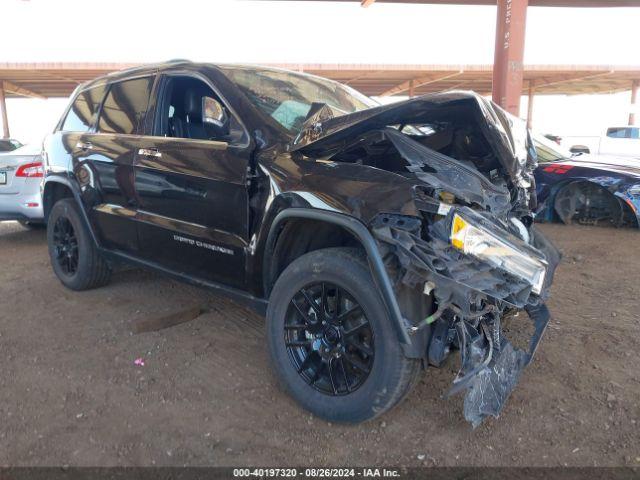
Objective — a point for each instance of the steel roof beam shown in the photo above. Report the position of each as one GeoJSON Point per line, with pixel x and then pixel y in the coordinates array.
{"type": "Point", "coordinates": [18, 90]}
{"type": "Point", "coordinates": [416, 83]}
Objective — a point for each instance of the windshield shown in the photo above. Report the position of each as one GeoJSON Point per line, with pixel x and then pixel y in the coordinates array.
{"type": "Point", "coordinates": [287, 97]}
{"type": "Point", "coordinates": [549, 151]}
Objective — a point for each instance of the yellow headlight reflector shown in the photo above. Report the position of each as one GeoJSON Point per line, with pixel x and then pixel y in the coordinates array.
{"type": "Point", "coordinates": [484, 245]}
{"type": "Point", "coordinates": [458, 232]}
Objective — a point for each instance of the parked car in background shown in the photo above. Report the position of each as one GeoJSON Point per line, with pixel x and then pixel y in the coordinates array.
{"type": "Point", "coordinates": [619, 141]}
{"type": "Point", "coordinates": [373, 248]}
{"type": "Point", "coordinates": [586, 189]}
{"type": "Point", "coordinates": [9, 144]}
{"type": "Point", "coordinates": [21, 174]}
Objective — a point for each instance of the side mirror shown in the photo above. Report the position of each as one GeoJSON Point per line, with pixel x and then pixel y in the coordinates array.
{"type": "Point", "coordinates": [213, 113]}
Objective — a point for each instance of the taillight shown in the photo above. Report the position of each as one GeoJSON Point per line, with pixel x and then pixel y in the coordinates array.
{"type": "Point", "coordinates": [30, 170]}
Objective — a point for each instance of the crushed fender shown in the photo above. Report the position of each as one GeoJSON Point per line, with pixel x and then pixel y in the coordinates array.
{"type": "Point", "coordinates": [472, 297]}
{"type": "Point", "coordinates": [472, 162]}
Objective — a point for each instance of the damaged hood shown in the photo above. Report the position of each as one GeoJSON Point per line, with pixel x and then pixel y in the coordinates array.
{"type": "Point", "coordinates": [326, 131]}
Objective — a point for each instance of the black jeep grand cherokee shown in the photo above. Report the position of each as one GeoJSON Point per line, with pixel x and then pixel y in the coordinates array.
{"type": "Point", "coordinates": [375, 238]}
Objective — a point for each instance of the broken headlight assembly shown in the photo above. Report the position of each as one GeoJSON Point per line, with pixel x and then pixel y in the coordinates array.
{"type": "Point", "coordinates": [478, 241]}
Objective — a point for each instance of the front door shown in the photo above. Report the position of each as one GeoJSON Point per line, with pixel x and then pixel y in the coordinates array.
{"type": "Point", "coordinates": [190, 182]}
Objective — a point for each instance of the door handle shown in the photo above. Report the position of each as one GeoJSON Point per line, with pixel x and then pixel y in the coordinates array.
{"type": "Point", "coordinates": [84, 145]}
{"type": "Point", "coordinates": [149, 152]}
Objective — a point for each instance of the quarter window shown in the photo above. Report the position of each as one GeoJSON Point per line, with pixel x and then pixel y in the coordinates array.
{"type": "Point", "coordinates": [125, 106]}
{"type": "Point", "coordinates": [82, 113]}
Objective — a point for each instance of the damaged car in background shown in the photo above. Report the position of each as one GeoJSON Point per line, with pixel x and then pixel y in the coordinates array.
{"type": "Point", "coordinates": [375, 239]}
{"type": "Point", "coordinates": [598, 190]}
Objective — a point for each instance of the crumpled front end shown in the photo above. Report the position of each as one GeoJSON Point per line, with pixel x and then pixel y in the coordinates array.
{"type": "Point", "coordinates": [467, 242]}
{"type": "Point", "coordinates": [472, 293]}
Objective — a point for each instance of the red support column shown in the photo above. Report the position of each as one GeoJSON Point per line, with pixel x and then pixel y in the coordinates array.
{"type": "Point", "coordinates": [509, 53]}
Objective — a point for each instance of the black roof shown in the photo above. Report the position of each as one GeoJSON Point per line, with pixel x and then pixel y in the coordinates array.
{"type": "Point", "coordinates": [157, 67]}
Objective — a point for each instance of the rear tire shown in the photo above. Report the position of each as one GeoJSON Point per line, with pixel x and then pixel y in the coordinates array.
{"type": "Point", "coordinates": [323, 385]}
{"type": "Point", "coordinates": [73, 253]}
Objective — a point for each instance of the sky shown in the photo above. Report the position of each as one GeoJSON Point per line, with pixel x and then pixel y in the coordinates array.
{"type": "Point", "coordinates": [314, 32]}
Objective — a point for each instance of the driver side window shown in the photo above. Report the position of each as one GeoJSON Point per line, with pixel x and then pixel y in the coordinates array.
{"type": "Point", "coordinates": [181, 112]}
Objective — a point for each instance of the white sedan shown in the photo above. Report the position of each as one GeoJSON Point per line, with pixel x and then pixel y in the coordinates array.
{"type": "Point", "coordinates": [20, 177]}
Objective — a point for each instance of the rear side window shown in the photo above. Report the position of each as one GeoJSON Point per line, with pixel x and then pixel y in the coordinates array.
{"type": "Point", "coordinates": [6, 146]}
{"type": "Point", "coordinates": [125, 106]}
{"type": "Point", "coordinates": [85, 107]}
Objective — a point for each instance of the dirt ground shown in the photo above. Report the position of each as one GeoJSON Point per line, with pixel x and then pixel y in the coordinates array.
{"type": "Point", "coordinates": [70, 393]}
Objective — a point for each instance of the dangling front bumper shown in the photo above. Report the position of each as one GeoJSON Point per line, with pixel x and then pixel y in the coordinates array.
{"type": "Point", "coordinates": [472, 294]}
{"type": "Point", "coordinates": [491, 365]}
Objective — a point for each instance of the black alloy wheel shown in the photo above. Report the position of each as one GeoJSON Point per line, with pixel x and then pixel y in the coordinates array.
{"type": "Point", "coordinates": [65, 244]}
{"type": "Point", "coordinates": [75, 258]}
{"type": "Point", "coordinates": [331, 342]}
{"type": "Point", "coordinates": [329, 339]}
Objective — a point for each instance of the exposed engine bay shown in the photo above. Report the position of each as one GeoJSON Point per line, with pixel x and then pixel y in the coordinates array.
{"type": "Point", "coordinates": [472, 248]}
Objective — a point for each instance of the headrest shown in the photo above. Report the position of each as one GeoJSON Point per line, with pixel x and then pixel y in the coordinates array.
{"type": "Point", "coordinates": [193, 103]}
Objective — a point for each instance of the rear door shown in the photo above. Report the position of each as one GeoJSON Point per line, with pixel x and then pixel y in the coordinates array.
{"type": "Point", "coordinates": [103, 158]}
{"type": "Point", "coordinates": [191, 185]}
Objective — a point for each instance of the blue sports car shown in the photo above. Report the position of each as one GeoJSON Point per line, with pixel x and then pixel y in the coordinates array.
{"type": "Point", "coordinates": [586, 189]}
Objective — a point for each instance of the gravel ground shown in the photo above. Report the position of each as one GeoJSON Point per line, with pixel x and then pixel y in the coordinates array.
{"type": "Point", "coordinates": [70, 393]}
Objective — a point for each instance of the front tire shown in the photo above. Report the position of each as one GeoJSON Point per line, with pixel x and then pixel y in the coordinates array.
{"type": "Point", "coordinates": [331, 342]}
{"type": "Point", "coordinates": [73, 253]}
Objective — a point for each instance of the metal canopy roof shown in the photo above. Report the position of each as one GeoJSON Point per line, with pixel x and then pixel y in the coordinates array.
{"type": "Point", "coordinates": [59, 79]}
{"type": "Point", "coordinates": [533, 3]}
